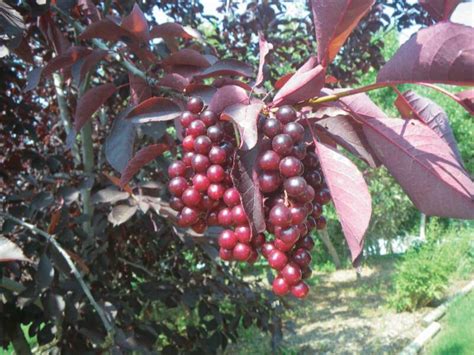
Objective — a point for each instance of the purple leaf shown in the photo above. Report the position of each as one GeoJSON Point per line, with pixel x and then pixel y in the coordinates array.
{"type": "Point", "coordinates": [349, 134]}
{"type": "Point", "coordinates": [9, 251]}
{"type": "Point", "coordinates": [89, 9]}
{"type": "Point", "coordinates": [119, 143]}
{"type": "Point", "coordinates": [245, 116]}
{"type": "Point", "coordinates": [442, 53]}
{"type": "Point", "coordinates": [85, 64]}
{"type": "Point", "coordinates": [154, 109]}
{"type": "Point", "coordinates": [66, 59]}
{"type": "Point", "coordinates": [143, 157]}
{"type": "Point", "coordinates": [205, 92]}
{"type": "Point", "coordinates": [350, 195]}
{"type": "Point", "coordinates": [227, 67]}
{"type": "Point", "coordinates": [174, 81]}
{"type": "Point", "coordinates": [220, 82]}
{"type": "Point", "coordinates": [228, 96]}
{"type": "Point", "coordinates": [412, 105]}
{"type": "Point", "coordinates": [245, 179]}
{"type": "Point", "coordinates": [172, 29]}
{"type": "Point", "coordinates": [467, 100]}
{"type": "Point", "coordinates": [136, 23]}
{"type": "Point", "coordinates": [361, 106]}
{"type": "Point", "coordinates": [187, 57]}
{"type": "Point", "coordinates": [264, 49]}
{"type": "Point", "coordinates": [306, 83]}
{"type": "Point", "coordinates": [107, 30]}
{"type": "Point", "coordinates": [334, 21]}
{"type": "Point", "coordinates": [139, 89]}
{"type": "Point", "coordinates": [440, 10]}
{"type": "Point", "coordinates": [424, 166]}
{"type": "Point", "coordinates": [90, 102]}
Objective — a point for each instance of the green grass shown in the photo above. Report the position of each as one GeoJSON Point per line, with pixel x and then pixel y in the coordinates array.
{"type": "Point", "coordinates": [457, 332]}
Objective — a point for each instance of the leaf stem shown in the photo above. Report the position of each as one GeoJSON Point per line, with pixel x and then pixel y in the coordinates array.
{"type": "Point", "coordinates": [337, 96]}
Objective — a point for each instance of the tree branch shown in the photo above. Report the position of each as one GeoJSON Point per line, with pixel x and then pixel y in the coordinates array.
{"type": "Point", "coordinates": [109, 327]}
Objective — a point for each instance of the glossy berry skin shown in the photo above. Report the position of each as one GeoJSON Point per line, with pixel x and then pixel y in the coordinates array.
{"type": "Point", "coordinates": [207, 203]}
{"type": "Point", "coordinates": [195, 105]}
{"type": "Point", "coordinates": [196, 128]}
{"type": "Point", "coordinates": [295, 186]}
{"type": "Point", "coordinates": [306, 243]}
{"type": "Point", "coordinates": [317, 210]}
{"type": "Point", "coordinates": [291, 273]}
{"type": "Point", "coordinates": [280, 216]}
{"type": "Point", "coordinates": [188, 144]}
{"type": "Point", "coordinates": [238, 215]}
{"type": "Point", "coordinates": [201, 182]}
{"type": "Point", "coordinates": [209, 118]}
{"type": "Point", "coordinates": [288, 235]}
{"type": "Point", "coordinates": [215, 173]}
{"type": "Point", "coordinates": [323, 197]}
{"type": "Point", "coordinates": [191, 197]}
{"type": "Point", "coordinates": [280, 287]}
{"type": "Point", "coordinates": [188, 217]}
{"type": "Point", "coordinates": [215, 191]}
{"type": "Point", "coordinates": [177, 185]}
{"type": "Point", "coordinates": [215, 134]}
{"type": "Point", "coordinates": [241, 252]}
{"type": "Point", "coordinates": [202, 145]}
{"type": "Point", "coordinates": [225, 254]}
{"type": "Point", "coordinates": [176, 203]}
{"type": "Point", "coordinates": [231, 197]}
{"type": "Point", "coordinates": [186, 118]}
{"type": "Point", "coordinates": [282, 246]}
{"type": "Point", "coordinates": [269, 161]}
{"type": "Point", "coordinates": [295, 131]}
{"type": "Point", "coordinates": [298, 214]}
{"type": "Point", "coordinates": [282, 144]}
{"type": "Point", "coordinates": [243, 234]}
{"type": "Point", "coordinates": [300, 290]}
{"type": "Point", "coordinates": [277, 259]}
{"type": "Point", "coordinates": [302, 258]}
{"type": "Point", "coordinates": [200, 163]}
{"type": "Point", "coordinates": [188, 158]}
{"type": "Point", "coordinates": [227, 239]}
{"type": "Point", "coordinates": [286, 114]}
{"type": "Point", "coordinates": [290, 166]}
{"type": "Point", "coordinates": [303, 229]}
{"type": "Point", "coordinates": [267, 248]}
{"type": "Point", "coordinates": [314, 178]}
{"type": "Point", "coordinates": [217, 155]}
{"type": "Point", "coordinates": [321, 222]}
{"type": "Point", "coordinates": [272, 127]}
{"type": "Point", "coordinates": [224, 217]}
{"type": "Point", "coordinates": [269, 182]}
{"type": "Point", "coordinates": [307, 196]}
{"type": "Point", "coordinates": [311, 160]}
{"type": "Point", "coordinates": [176, 168]}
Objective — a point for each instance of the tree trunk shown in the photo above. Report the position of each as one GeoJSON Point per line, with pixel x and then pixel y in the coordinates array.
{"type": "Point", "coordinates": [332, 251]}
{"type": "Point", "coordinates": [18, 340]}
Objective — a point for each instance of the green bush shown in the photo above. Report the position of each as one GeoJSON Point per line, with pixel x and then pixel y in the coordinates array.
{"type": "Point", "coordinates": [423, 274]}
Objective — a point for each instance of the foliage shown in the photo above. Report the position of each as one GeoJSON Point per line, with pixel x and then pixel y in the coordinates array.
{"type": "Point", "coordinates": [424, 272]}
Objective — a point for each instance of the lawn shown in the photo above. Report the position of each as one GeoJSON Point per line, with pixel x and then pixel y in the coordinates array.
{"type": "Point", "coordinates": [457, 332]}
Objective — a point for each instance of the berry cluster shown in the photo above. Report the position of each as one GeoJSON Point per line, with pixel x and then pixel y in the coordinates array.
{"type": "Point", "coordinates": [290, 180]}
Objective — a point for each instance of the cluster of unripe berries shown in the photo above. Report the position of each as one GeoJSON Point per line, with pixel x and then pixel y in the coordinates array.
{"type": "Point", "coordinates": [289, 178]}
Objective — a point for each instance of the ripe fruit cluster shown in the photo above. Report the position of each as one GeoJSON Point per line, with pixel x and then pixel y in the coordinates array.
{"type": "Point", "coordinates": [290, 180]}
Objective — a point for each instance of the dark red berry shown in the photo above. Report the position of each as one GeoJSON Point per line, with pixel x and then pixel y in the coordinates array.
{"type": "Point", "coordinates": [196, 128]}
{"type": "Point", "coordinates": [306, 273]}
{"type": "Point", "coordinates": [286, 114]}
{"type": "Point", "coordinates": [253, 257]}
{"type": "Point", "coordinates": [314, 178]}
{"type": "Point", "coordinates": [282, 246]}
{"type": "Point", "coordinates": [300, 290]}
{"type": "Point", "coordinates": [321, 222]}
{"type": "Point", "coordinates": [280, 216]}
{"type": "Point", "coordinates": [215, 173]}
{"type": "Point", "coordinates": [288, 235]}
{"type": "Point", "coordinates": [177, 185]}
{"type": "Point", "coordinates": [188, 217]}
{"type": "Point", "coordinates": [298, 215]}
{"type": "Point", "coordinates": [212, 219]}
{"type": "Point", "coordinates": [191, 197]}
{"type": "Point", "coordinates": [302, 257]}
{"type": "Point", "coordinates": [311, 160]}
{"type": "Point", "coordinates": [269, 181]}
{"type": "Point", "coordinates": [282, 144]}
{"type": "Point", "coordinates": [317, 210]}
{"type": "Point", "coordinates": [176, 203]}
{"type": "Point", "coordinates": [241, 252]}
{"type": "Point", "coordinates": [215, 134]}
{"type": "Point", "coordinates": [199, 227]}
{"type": "Point", "coordinates": [323, 196]}
{"type": "Point", "coordinates": [176, 168]}
{"type": "Point", "coordinates": [271, 127]}
{"type": "Point", "coordinates": [267, 248]}
{"type": "Point", "coordinates": [290, 166]}
{"type": "Point", "coordinates": [306, 243]}
{"type": "Point", "coordinates": [188, 144]}
{"type": "Point", "coordinates": [202, 145]}
{"type": "Point", "coordinates": [280, 287]}
{"type": "Point", "coordinates": [291, 273]}
{"type": "Point", "coordinates": [238, 215]}
{"type": "Point", "coordinates": [201, 182]}
{"type": "Point", "coordinates": [208, 117]}
{"type": "Point", "coordinates": [207, 203]}
{"type": "Point", "coordinates": [188, 158]}
{"type": "Point", "coordinates": [299, 151]}
{"type": "Point", "coordinates": [269, 161]}
{"type": "Point", "coordinates": [215, 191]}
{"type": "Point", "coordinates": [195, 105]}
{"type": "Point", "coordinates": [231, 197]}
{"type": "Point", "coordinates": [243, 234]}
{"type": "Point", "coordinates": [225, 254]}
{"type": "Point", "coordinates": [200, 163]}
{"type": "Point", "coordinates": [295, 131]}
{"type": "Point", "coordinates": [227, 239]}
{"type": "Point", "coordinates": [307, 196]}
{"type": "Point", "coordinates": [186, 118]}
{"type": "Point", "coordinates": [258, 241]}
{"type": "Point", "coordinates": [217, 155]}
{"type": "Point", "coordinates": [295, 186]}
{"type": "Point", "coordinates": [277, 259]}
{"type": "Point", "coordinates": [225, 217]}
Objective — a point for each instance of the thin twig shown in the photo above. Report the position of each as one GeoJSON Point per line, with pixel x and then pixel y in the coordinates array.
{"type": "Point", "coordinates": [107, 324]}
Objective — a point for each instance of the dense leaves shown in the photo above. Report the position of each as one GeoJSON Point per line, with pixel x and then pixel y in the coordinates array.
{"type": "Point", "coordinates": [246, 118]}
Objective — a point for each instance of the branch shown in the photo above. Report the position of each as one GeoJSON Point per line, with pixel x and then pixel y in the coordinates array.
{"type": "Point", "coordinates": [107, 324]}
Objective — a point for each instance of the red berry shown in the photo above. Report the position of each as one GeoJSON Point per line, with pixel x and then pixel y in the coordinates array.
{"type": "Point", "coordinates": [258, 241]}
{"type": "Point", "coordinates": [225, 254]}
{"type": "Point", "coordinates": [243, 234]}
{"type": "Point", "coordinates": [291, 273]}
{"type": "Point", "coordinates": [241, 252]}
{"type": "Point", "coordinates": [215, 134]}
{"type": "Point", "coordinates": [176, 168]}
{"type": "Point", "coordinates": [215, 173]}
{"type": "Point", "coordinates": [269, 161]}
{"type": "Point", "coordinates": [317, 210]}
{"type": "Point", "coordinates": [300, 290]}
{"type": "Point", "coordinates": [217, 155]}
{"type": "Point", "coordinates": [307, 196]}
{"type": "Point", "coordinates": [323, 196]}
{"type": "Point", "coordinates": [269, 182]}
{"type": "Point", "coordinates": [288, 235]}
{"type": "Point", "coordinates": [201, 182]}
{"type": "Point", "coordinates": [176, 203]}
{"type": "Point", "coordinates": [227, 239]}
{"type": "Point", "coordinates": [311, 160]}
{"type": "Point", "coordinates": [207, 203]}
{"type": "Point", "coordinates": [191, 197]}
{"type": "Point", "coordinates": [290, 166]}
{"type": "Point", "coordinates": [277, 259]}
{"type": "Point", "coordinates": [177, 185]}
{"type": "Point", "coordinates": [282, 144]}
{"type": "Point", "coordinates": [295, 186]}
{"type": "Point", "coordinates": [314, 178]}
{"type": "Point", "coordinates": [225, 217]}
{"type": "Point", "coordinates": [321, 222]}
{"type": "Point", "coordinates": [267, 248]}
{"type": "Point", "coordinates": [195, 105]}
{"type": "Point", "coordinates": [271, 127]}
{"type": "Point", "coordinates": [306, 243]}
{"type": "Point", "coordinates": [202, 145]}
{"type": "Point", "coordinates": [188, 144]}
{"type": "Point", "coordinates": [302, 257]}
{"type": "Point", "coordinates": [212, 219]}
{"type": "Point", "coordinates": [238, 215]}
{"type": "Point", "coordinates": [188, 158]}
{"type": "Point", "coordinates": [200, 163]}
{"type": "Point", "coordinates": [199, 227]}
{"type": "Point", "coordinates": [298, 215]}
{"type": "Point", "coordinates": [215, 191]}
{"type": "Point", "coordinates": [187, 118]}
{"type": "Point", "coordinates": [196, 128]}
{"type": "Point", "coordinates": [188, 217]}
{"type": "Point", "coordinates": [208, 117]}
{"type": "Point", "coordinates": [280, 287]}
{"type": "Point", "coordinates": [299, 151]}
{"type": "Point", "coordinates": [231, 197]}
{"type": "Point", "coordinates": [295, 131]}
{"type": "Point", "coordinates": [286, 114]}
{"type": "Point", "coordinates": [282, 246]}
{"type": "Point", "coordinates": [280, 216]}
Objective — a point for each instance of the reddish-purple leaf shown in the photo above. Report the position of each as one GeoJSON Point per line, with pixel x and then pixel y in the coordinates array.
{"type": "Point", "coordinates": [245, 178]}
{"type": "Point", "coordinates": [136, 23]}
{"type": "Point", "coordinates": [90, 10]}
{"type": "Point", "coordinates": [9, 251]}
{"type": "Point", "coordinates": [107, 30]}
{"type": "Point", "coordinates": [186, 71]}
{"type": "Point", "coordinates": [33, 79]}
{"type": "Point", "coordinates": [143, 157]}
{"type": "Point", "coordinates": [85, 64]}
{"type": "Point", "coordinates": [440, 10]}
{"type": "Point", "coordinates": [205, 92]}
{"type": "Point", "coordinates": [155, 109]}
{"type": "Point", "coordinates": [90, 102]}
{"type": "Point", "coordinates": [282, 81]}
{"type": "Point", "coordinates": [119, 143]}
{"type": "Point", "coordinates": [174, 81]}
{"type": "Point", "coordinates": [66, 59]}
{"type": "Point", "coordinates": [306, 83]}
{"type": "Point", "coordinates": [53, 34]}
{"type": "Point", "coordinates": [361, 106]}
{"type": "Point", "coordinates": [349, 134]}
{"type": "Point", "coordinates": [228, 96]}
{"type": "Point", "coordinates": [334, 21]}
{"type": "Point", "coordinates": [467, 100]}
{"type": "Point", "coordinates": [227, 67]}
{"type": "Point", "coordinates": [264, 49]}
{"type": "Point", "coordinates": [245, 116]}
{"type": "Point", "coordinates": [220, 82]}
{"type": "Point", "coordinates": [172, 29]}
{"type": "Point", "coordinates": [412, 105]}
{"type": "Point", "coordinates": [350, 195]}
{"type": "Point", "coordinates": [139, 89]}
{"type": "Point", "coordinates": [188, 57]}
{"type": "Point", "coordinates": [424, 166]}
{"type": "Point", "coordinates": [442, 53]}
